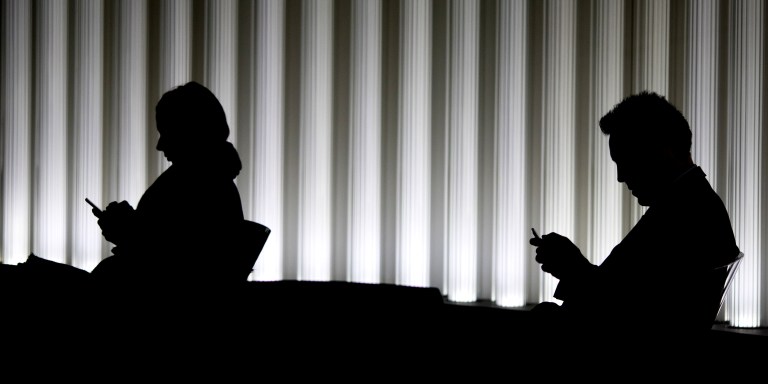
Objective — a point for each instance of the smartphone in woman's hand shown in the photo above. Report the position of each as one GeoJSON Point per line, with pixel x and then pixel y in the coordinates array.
{"type": "Point", "coordinates": [96, 210]}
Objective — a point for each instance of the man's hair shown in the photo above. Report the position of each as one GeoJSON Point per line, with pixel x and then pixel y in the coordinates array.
{"type": "Point", "coordinates": [647, 118]}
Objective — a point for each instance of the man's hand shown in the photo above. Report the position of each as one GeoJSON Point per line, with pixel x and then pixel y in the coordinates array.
{"type": "Point", "coordinates": [559, 256]}
{"type": "Point", "coordinates": [116, 222]}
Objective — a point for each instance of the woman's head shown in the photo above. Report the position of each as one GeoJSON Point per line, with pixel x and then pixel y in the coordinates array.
{"type": "Point", "coordinates": [189, 119]}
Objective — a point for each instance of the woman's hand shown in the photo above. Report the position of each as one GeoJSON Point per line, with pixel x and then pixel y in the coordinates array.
{"type": "Point", "coordinates": [116, 222]}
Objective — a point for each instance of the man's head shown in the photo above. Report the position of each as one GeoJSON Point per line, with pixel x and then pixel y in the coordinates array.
{"type": "Point", "coordinates": [650, 142]}
{"type": "Point", "coordinates": [189, 118]}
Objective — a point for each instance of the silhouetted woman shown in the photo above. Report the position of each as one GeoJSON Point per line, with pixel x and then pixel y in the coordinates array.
{"type": "Point", "coordinates": [184, 226]}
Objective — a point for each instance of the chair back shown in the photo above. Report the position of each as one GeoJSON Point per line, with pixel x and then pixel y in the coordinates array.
{"type": "Point", "coordinates": [250, 242]}
{"type": "Point", "coordinates": [730, 271]}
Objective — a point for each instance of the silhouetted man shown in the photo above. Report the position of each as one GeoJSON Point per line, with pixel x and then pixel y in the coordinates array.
{"type": "Point", "coordinates": [657, 282]}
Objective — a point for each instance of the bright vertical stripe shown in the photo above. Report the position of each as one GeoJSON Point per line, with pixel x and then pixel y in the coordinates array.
{"type": "Point", "coordinates": [745, 125]}
{"type": "Point", "coordinates": [651, 46]}
{"type": "Point", "coordinates": [462, 154]}
{"type": "Point", "coordinates": [17, 126]}
{"type": "Point", "coordinates": [175, 54]}
{"type": "Point", "coordinates": [607, 72]}
{"type": "Point", "coordinates": [129, 108]}
{"type": "Point", "coordinates": [314, 254]}
{"type": "Point", "coordinates": [87, 131]}
{"type": "Point", "coordinates": [49, 219]}
{"type": "Point", "coordinates": [510, 233]}
{"type": "Point", "coordinates": [266, 122]}
{"type": "Point", "coordinates": [701, 83]}
{"type": "Point", "coordinates": [701, 93]}
{"type": "Point", "coordinates": [650, 63]}
{"type": "Point", "coordinates": [221, 57]}
{"type": "Point", "coordinates": [558, 127]}
{"type": "Point", "coordinates": [364, 237]}
{"type": "Point", "coordinates": [413, 145]}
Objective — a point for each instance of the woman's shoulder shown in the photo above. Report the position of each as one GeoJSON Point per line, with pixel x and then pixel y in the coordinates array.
{"type": "Point", "coordinates": [181, 187]}
{"type": "Point", "coordinates": [189, 179]}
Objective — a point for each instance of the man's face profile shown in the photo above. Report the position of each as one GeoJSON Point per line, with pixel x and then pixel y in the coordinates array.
{"type": "Point", "coordinates": [636, 167]}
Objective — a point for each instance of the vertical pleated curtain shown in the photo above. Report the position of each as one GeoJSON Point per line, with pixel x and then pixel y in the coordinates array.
{"type": "Point", "coordinates": [412, 142]}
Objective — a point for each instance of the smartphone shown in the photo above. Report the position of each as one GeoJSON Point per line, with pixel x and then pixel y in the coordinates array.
{"type": "Point", "coordinates": [97, 210]}
{"type": "Point", "coordinates": [536, 235]}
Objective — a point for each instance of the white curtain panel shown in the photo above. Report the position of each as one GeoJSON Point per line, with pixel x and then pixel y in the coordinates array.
{"type": "Point", "coordinates": [411, 142]}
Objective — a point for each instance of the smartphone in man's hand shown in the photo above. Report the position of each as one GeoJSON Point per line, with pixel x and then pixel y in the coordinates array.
{"type": "Point", "coordinates": [536, 240]}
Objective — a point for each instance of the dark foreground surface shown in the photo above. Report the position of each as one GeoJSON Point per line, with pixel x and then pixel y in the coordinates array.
{"type": "Point", "coordinates": [309, 330]}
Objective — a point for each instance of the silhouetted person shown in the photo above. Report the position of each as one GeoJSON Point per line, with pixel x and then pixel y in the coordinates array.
{"type": "Point", "coordinates": [656, 285]}
{"type": "Point", "coordinates": [183, 229]}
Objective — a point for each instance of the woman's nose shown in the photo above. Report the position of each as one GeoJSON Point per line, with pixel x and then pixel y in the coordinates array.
{"type": "Point", "coordinates": [620, 176]}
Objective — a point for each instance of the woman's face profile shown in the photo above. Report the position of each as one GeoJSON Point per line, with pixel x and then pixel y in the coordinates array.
{"type": "Point", "coordinates": [189, 120]}
{"type": "Point", "coordinates": [167, 143]}
{"type": "Point", "coordinates": [162, 146]}
{"type": "Point", "coordinates": [176, 141]}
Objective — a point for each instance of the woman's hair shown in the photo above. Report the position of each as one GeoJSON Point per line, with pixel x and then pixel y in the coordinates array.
{"type": "Point", "coordinates": [194, 109]}
{"type": "Point", "coordinates": [193, 115]}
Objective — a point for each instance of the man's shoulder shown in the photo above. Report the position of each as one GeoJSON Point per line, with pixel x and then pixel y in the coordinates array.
{"type": "Point", "coordinates": [691, 216]}
{"type": "Point", "coordinates": [692, 197]}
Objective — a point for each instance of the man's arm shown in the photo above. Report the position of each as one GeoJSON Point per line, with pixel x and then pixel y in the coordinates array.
{"type": "Point", "coordinates": [560, 257]}
{"type": "Point", "coordinates": [576, 285]}
{"type": "Point", "coordinates": [563, 260]}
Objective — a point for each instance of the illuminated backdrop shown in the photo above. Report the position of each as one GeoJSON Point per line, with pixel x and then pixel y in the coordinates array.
{"type": "Point", "coordinates": [410, 142]}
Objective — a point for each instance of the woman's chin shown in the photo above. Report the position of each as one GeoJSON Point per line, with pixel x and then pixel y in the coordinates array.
{"type": "Point", "coordinates": [644, 201]}
{"type": "Point", "coordinates": [640, 198]}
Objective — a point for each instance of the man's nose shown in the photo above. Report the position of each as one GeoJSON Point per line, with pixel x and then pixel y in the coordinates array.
{"type": "Point", "coordinates": [159, 146]}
